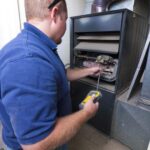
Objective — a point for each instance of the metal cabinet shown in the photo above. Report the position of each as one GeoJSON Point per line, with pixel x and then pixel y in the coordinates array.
{"type": "Point", "coordinates": [119, 34]}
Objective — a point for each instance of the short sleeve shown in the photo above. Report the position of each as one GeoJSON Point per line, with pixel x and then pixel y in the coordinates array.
{"type": "Point", "coordinates": [29, 94]}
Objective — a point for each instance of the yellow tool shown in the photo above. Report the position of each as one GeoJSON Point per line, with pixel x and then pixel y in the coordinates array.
{"type": "Point", "coordinates": [97, 95]}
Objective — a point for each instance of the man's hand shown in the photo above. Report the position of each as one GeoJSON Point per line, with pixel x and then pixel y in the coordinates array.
{"type": "Point", "coordinates": [74, 74]}
{"type": "Point", "coordinates": [90, 107]}
{"type": "Point", "coordinates": [95, 71]}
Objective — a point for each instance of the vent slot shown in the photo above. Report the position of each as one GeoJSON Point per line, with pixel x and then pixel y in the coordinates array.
{"type": "Point", "coordinates": [98, 47]}
{"type": "Point", "coordinates": [107, 43]}
{"type": "Point", "coordinates": [100, 38]}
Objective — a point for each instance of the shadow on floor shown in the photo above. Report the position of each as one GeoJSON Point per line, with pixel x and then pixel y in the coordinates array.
{"type": "Point", "coordinates": [89, 138]}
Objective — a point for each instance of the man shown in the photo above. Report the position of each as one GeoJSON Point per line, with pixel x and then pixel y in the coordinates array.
{"type": "Point", "coordinates": [35, 102]}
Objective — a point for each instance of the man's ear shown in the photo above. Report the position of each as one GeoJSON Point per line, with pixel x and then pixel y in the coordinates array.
{"type": "Point", "coordinates": [54, 13]}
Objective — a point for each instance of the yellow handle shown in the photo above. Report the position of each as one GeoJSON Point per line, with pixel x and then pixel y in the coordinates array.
{"type": "Point", "coordinates": [86, 99]}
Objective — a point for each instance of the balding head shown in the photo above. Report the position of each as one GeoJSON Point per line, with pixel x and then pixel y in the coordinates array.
{"type": "Point", "coordinates": [39, 8]}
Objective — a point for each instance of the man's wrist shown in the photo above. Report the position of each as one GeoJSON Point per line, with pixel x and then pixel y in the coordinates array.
{"type": "Point", "coordinates": [85, 114]}
{"type": "Point", "coordinates": [88, 71]}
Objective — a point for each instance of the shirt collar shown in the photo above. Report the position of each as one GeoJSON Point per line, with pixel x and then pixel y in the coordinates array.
{"type": "Point", "coordinates": [43, 37]}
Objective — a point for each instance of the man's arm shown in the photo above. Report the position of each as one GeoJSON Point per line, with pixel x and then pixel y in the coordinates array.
{"type": "Point", "coordinates": [65, 128]}
{"type": "Point", "coordinates": [74, 74]}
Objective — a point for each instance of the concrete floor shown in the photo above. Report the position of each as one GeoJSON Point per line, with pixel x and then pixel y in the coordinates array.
{"type": "Point", "coordinates": [1, 143]}
{"type": "Point", "coordinates": [89, 138]}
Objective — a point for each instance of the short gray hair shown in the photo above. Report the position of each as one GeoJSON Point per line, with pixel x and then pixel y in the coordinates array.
{"type": "Point", "coordinates": [39, 8]}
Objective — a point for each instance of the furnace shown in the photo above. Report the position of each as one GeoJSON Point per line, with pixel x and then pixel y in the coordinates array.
{"type": "Point", "coordinates": [114, 41]}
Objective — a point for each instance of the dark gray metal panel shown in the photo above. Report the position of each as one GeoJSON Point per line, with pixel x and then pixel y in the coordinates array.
{"type": "Point", "coordinates": [103, 118]}
{"type": "Point", "coordinates": [131, 46]}
{"type": "Point", "coordinates": [101, 23]}
{"type": "Point", "coordinates": [145, 93]}
{"type": "Point", "coordinates": [131, 124]}
{"type": "Point", "coordinates": [140, 68]}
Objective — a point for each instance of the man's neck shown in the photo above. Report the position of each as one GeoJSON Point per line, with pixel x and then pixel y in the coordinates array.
{"type": "Point", "coordinates": [42, 25]}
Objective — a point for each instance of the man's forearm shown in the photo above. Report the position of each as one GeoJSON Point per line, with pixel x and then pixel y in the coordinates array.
{"type": "Point", "coordinates": [65, 129]}
{"type": "Point", "coordinates": [74, 74]}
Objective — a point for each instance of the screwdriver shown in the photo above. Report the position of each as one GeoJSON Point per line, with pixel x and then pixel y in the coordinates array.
{"type": "Point", "coordinates": [96, 93]}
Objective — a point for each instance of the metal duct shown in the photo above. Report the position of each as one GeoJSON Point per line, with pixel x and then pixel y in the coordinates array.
{"type": "Point", "coordinates": [101, 5]}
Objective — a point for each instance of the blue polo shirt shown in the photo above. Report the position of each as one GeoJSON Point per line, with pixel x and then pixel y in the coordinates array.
{"type": "Point", "coordinates": [34, 88]}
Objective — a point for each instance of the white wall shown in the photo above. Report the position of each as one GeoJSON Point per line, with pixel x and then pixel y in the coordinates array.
{"type": "Point", "coordinates": [75, 7]}
{"type": "Point", "coordinates": [9, 24]}
{"type": "Point", "coordinates": [12, 20]}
